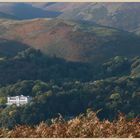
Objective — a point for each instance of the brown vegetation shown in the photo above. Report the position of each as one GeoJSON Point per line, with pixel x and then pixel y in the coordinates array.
{"type": "Point", "coordinates": [82, 126]}
{"type": "Point", "coordinates": [71, 40]}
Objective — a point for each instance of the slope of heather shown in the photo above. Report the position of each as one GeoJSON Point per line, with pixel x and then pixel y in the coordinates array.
{"type": "Point", "coordinates": [74, 41]}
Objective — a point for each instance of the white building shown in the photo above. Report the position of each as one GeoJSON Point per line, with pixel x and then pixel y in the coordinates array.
{"type": "Point", "coordinates": [18, 100]}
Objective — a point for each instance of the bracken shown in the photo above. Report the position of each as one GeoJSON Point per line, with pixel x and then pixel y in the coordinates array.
{"type": "Point", "coordinates": [82, 126]}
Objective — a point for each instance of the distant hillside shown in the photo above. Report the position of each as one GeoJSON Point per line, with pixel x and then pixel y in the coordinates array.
{"type": "Point", "coordinates": [119, 15]}
{"type": "Point", "coordinates": [124, 16]}
{"type": "Point", "coordinates": [6, 16]}
{"type": "Point", "coordinates": [59, 6]}
{"type": "Point", "coordinates": [26, 11]}
{"type": "Point", "coordinates": [74, 41]}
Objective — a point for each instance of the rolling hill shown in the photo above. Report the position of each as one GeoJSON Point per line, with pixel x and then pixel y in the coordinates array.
{"type": "Point", "coordinates": [73, 41]}
{"type": "Point", "coordinates": [119, 15]}
{"type": "Point", "coordinates": [124, 16]}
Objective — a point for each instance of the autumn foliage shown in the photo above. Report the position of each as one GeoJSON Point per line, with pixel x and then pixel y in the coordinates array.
{"type": "Point", "coordinates": [82, 126]}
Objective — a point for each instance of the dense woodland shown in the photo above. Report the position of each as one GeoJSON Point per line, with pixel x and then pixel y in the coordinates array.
{"type": "Point", "coordinates": [67, 88]}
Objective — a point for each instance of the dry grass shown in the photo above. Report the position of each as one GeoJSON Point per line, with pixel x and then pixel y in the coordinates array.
{"type": "Point", "coordinates": [81, 126]}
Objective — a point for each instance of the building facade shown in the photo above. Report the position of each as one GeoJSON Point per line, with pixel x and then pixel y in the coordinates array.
{"type": "Point", "coordinates": [18, 100]}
